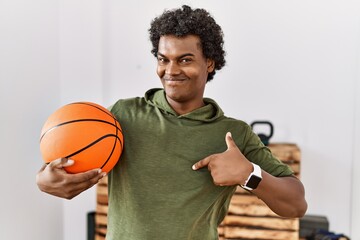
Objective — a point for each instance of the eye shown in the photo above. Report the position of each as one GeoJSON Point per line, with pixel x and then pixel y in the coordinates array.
{"type": "Point", "coordinates": [185, 60]}
{"type": "Point", "coordinates": [161, 60]}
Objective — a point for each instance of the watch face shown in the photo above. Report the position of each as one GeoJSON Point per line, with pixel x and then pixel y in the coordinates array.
{"type": "Point", "coordinates": [253, 182]}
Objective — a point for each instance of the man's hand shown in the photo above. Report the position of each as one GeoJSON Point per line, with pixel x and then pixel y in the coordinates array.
{"type": "Point", "coordinates": [54, 180]}
{"type": "Point", "coordinates": [227, 168]}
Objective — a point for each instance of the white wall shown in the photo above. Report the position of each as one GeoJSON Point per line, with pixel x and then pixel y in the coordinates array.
{"type": "Point", "coordinates": [295, 63]}
{"type": "Point", "coordinates": [29, 92]}
{"type": "Point", "coordinates": [355, 208]}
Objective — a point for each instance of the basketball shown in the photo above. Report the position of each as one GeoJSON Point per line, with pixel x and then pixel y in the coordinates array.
{"type": "Point", "coordinates": [85, 132]}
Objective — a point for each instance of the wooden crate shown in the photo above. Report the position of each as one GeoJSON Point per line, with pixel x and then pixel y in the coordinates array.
{"type": "Point", "coordinates": [248, 216]}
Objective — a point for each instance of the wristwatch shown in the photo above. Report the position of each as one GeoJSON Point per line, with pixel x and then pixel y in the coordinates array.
{"type": "Point", "coordinates": [254, 178]}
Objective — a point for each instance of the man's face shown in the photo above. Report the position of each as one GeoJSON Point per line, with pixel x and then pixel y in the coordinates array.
{"type": "Point", "coordinates": [183, 69]}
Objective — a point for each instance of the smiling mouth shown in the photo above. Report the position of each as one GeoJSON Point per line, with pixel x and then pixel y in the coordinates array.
{"type": "Point", "coordinates": [174, 82]}
{"type": "Point", "coordinates": [174, 79]}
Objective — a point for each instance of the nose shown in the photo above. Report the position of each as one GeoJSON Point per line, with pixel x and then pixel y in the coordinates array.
{"type": "Point", "coordinates": [172, 68]}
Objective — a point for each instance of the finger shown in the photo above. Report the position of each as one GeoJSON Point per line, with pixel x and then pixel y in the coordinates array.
{"type": "Point", "coordinates": [85, 183]}
{"type": "Point", "coordinates": [200, 164]}
{"type": "Point", "coordinates": [229, 141]}
{"type": "Point", "coordinates": [61, 163]}
{"type": "Point", "coordinates": [89, 182]}
{"type": "Point", "coordinates": [67, 162]}
{"type": "Point", "coordinates": [91, 175]}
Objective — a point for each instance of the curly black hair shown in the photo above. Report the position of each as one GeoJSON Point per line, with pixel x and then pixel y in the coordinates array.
{"type": "Point", "coordinates": [186, 21]}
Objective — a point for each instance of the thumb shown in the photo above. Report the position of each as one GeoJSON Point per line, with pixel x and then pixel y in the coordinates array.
{"type": "Point", "coordinates": [229, 141]}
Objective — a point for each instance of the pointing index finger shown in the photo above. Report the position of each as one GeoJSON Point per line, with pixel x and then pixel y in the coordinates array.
{"type": "Point", "coordinates": [200, 164]}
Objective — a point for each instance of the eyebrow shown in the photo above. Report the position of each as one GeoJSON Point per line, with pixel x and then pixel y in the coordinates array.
{"type": "Point", "coordinates": [181, 56]}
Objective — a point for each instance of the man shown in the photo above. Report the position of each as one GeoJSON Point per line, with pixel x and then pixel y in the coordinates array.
{"type": "Point", "coordinates": [182, 157]}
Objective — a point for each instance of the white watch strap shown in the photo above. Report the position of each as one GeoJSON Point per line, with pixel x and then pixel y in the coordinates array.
{"type": "Point", "coordinates": [256, 171]}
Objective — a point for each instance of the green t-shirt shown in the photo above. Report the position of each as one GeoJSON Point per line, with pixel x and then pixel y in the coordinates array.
{"type": "Point", "coordinates": [153, 192]}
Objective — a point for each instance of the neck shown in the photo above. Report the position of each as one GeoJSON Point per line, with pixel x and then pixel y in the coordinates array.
{"type": "Point", "coordinates": [182, 108]}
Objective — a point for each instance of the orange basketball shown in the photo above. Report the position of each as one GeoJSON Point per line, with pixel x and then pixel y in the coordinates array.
{"type": "Point", "coordinates": [84, 132]}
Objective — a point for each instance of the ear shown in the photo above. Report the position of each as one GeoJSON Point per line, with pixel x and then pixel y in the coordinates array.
{"type": "Point", "coordinates": [210, 65]}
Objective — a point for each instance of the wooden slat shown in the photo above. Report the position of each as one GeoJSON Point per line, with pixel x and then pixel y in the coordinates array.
{"type": "Point", "coordinates": [104, 181]}
{"type": "Point", "coordinates": [102, 209]}
{"type": "Point", "coordinates": [102, 189]}
{"type": "Point", "coordinates": [102, 199]}
{"type": "Point", "coordinates": [220, 231]}
{"type": "Point", "coordinates": [262, 222]}
{"type": "Point", "coordinates": [285, 151]}
{"type": "Point", "coordinates": [251, 210]}
{"type": "Point", "coordinates": [102, 230]}
{"type": "Point", "coordinates": [246, 199]}
{"type": "Point", "coordinates": [100, 219]}
{"type": "Point", "coordinates": [99, 237]}
{"type": "Point", "coordinates": [248, 233]}
{"type": "Point", "coordinates": [295, 167]}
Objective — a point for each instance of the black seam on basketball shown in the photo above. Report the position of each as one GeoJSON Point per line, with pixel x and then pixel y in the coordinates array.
{"type": "Point", "coordinates": [85, 103]}
{"type": "Point", "coordinates": [112, 151]}
{"type": "Point", "coordinates": [79, 120]}
{"type": "Point", "coordinates": [91, 144]}
{"type": "Point", "coordinates": [114, 145]}
{"type": "Point", "coordinates": [121, 144]}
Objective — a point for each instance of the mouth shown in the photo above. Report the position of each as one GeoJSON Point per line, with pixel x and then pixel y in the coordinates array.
{"type": "Point", "coordinates": [174, 79]}
{"type": "Point", "coordinates": [174, 82]}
